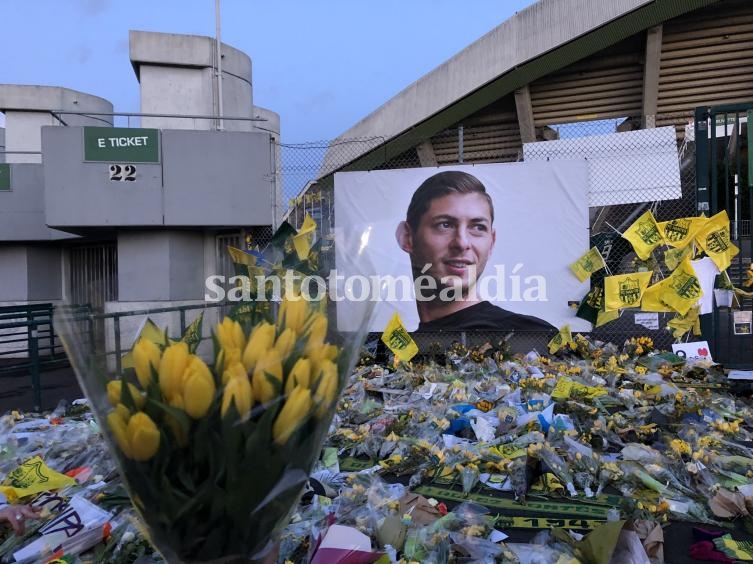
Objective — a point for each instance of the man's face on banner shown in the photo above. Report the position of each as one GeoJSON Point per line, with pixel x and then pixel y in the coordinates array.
{"type": "Point", "coordinates": [455, 236]}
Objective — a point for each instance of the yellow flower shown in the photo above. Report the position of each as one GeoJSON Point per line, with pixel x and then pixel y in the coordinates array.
{"type": "Point", "coordinates": [300, 375]}
{"type": "Point", "coordinates": [317, 331]}
{"type": "Point", "coordinates": [146, 355]}
{"type": "Point", "coordinates": [226, 357]}
{"type": "Point", "coordinates": [261, 340]}
{"type": "Point", "coordinates": [198, 388]}
{"type": "Point", "coordinates": [285, 343]}
{"type": "Point", "coordinates": [235, 369]}
{"type": "Point", "coordinates": [171, 368]}
{"type": "Point", "coordinates": [297, 407]}
{"type": "Point", "coordinates": [267, 379]}
{"type": "Point", "coordinates": [293, 312]}
{"type": "Point", "coordinates": [326, 391]}
{"type": "Point", "coordinates": [143, 437]}
{"type": "Point", "coordinates": [238, 392]}
{"type": "Point", "coordinates": [230, 334]}
{"type": "Point", "coordinates": [118, 426]}
{"type": "Point", "coordinates": [115, 390]}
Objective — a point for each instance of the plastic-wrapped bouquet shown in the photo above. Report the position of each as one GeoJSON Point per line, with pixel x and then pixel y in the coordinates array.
{"type": "Point", "coordinates": [215, 451]}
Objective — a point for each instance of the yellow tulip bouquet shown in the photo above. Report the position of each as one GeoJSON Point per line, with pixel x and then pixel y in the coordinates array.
{"type": "Point", "coordinates": [215, 452]}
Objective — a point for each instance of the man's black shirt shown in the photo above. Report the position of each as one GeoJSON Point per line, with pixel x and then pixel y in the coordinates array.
{"type": "Point", "coordinates": [486, 316]}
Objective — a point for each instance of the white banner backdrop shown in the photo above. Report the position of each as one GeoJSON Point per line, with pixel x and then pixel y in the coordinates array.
{"type": "Point", "coordinates": [541, 222]}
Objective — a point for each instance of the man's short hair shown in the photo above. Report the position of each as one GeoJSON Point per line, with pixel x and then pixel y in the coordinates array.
{"type": "Point", "coordinates": [440, 185]}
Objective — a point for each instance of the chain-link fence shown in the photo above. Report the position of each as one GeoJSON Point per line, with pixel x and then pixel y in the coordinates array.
{"type": "Point", "coordinates": [641, 170]}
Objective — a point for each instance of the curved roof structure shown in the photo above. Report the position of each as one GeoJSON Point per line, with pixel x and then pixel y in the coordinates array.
{"type": "Point", "coordinates": [539, 42]}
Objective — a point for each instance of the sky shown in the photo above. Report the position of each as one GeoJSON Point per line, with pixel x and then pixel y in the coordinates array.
{"type": "Point", "coordinates": [321, 65]}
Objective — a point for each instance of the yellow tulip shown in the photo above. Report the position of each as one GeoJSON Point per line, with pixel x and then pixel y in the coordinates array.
{"type": "Point", "coordinates": [300, 375]}
{"type": "Point", "coordinates": [123, 411]}
{"type": "Point", "coordinates": [171, 368]}
{"type": "Point", "coordinates": [331, 351]}
{"type": "Point", "coordinates": [118, 426]}
{"type": "Point", "coordinates": [261, 340]}
{"type": "Point", "coordinates": [178, 431]}
{"type": "Point", "coordinates": [230, 334]}
{"type": "Point", "coordinates": [297, 407]}
{"type": "Point", "coordinates": [293, 312]}
{"type": "Point", "coordinates": [285, 343]}
{"type": "Point", "coordinates": [226, 358]}
{"type": "Point", "coordinates": [115, 390]}
{"type": "Point", "coordinates": [143, 437]}
{"type": "Point", "coordinates": [267, 379]}
{"type": "Point", "coordinates": [317, 331]}
{"type": "Point", "coordinates": [234, 370]}
{"type": "Point", "coordinates": [327, 388]}
{"type": "Point", "coordinates": [198, 388]}
{"type": "Point", "coordinates": [238, 392]}
{"type": "Point", "coordinates": [146, 358]}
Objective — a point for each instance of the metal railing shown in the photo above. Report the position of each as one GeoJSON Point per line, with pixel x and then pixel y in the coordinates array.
{"type": "Point", "coordinates": [28, 344]}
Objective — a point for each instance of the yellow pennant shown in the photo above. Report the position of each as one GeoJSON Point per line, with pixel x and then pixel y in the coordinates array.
{"type": "Point", "coordinates": [680, 232]}
{"type": "Point", "coordinates": [714, 238]}
{"type": "Point", "coordinates": [605, 317]}
{"type": "Point", "coordinates": [33, 477]}
{"type": "Point", "coordinates": [589, 263]}
{"type": "Point", "coordinates": [305, 236]}
{"type": "Point", "coordinates": [239, 256]}
{"type": "Point", "coordinates": [682, 289]}
{"type": "Point", "coordinates": [399, 341]}
{"type": "Point", "coordinates": [651, 300]}
{"type": "Point", "coordinates": [561, 339]}
{"type": "Point", "coordinates": [644, 235]}
{"type": "Point", "coordinates": [625, 290]}
{"type": "Point", "coordinates": [684, 323]}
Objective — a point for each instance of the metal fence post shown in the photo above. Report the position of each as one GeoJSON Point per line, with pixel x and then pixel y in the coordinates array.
{"type": "Point", "coordinates": [116, 330]}
{"type": "Point", "coordinates": [34, 362]}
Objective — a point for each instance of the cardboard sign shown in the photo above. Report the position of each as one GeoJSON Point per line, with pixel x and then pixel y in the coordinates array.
{"type": "Point", "coordinates": [693, 351]}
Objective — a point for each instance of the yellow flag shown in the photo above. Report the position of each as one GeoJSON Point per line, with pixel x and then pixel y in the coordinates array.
{"type": "Point", "coordinates": [625, 290]}
{"type": "Point", "coordinates": [561, 339]}
{"type": "Point", "coordinates": [682, 289]}
{"type": "Point", "coordinates": [239, 256]}
{"type": "Point", "coordinates": [673, 257]}
{"type": "Point", "coordinates": [684, 323]}
{"type": "Point", "coordinates": [714, 238]}
{"type": "Point", "coordinates": [651, 300]}
{"type": "Point", "coordinates": [303, 239]}
{"type": "Point", "coordinates": [150, 332]}
{"type": "Point", "coordinates": [33, 477]}
{"type": "Point", "coordinates": [680, 232]}
{"type": "Point", "coordinates": [397, 338]}
{"type": "Point", "coordinates": [589, 263]}
{"type": "Point", "coordinates": [606, 316]}
{"type": "Point", "coordinates": [644, 235]}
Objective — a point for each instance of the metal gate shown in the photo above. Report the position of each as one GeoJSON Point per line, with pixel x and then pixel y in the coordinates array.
{"type": "Point", "coordinates": [724, 182]}
{"type": "Point", "coordinates": [94, 275]}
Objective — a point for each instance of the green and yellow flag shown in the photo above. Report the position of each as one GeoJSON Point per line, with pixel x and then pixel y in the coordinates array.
{"type": "Point", "coordinates": [605, 317]}
{"type": "Point", "coordinates": [239, 256]}
{"type": "Point", "coordinates": [561, 339]}
{"type": "Point", "coordinates": [679, 233]}
{"type": "Point", "coordinates": [714, 238]}
{"type": "Point", "coordinates": [682, 289]}
{"type": "Point", "coordinates": [303, 239]}
{"type": "Point", "coordinates": [589, 263]}
{"type": "Point", "coordinates": [651, 300]}
{"type": "Point", "coordinates": [625, 290]}
{"type": "Point", "coordinates": [684, 323]}
{"type": "Point", "coordinates": [673, 257]}
{"type": "Point", "coordinates": [399, 341]}
{"type": "Point", "coordinates": [644, 235]}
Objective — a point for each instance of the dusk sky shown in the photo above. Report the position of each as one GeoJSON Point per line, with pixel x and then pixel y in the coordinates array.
{"type": "Point", "coordinates": [321, 65]}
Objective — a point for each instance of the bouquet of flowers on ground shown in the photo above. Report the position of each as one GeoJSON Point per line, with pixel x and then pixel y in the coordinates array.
{"type": "Point", "coordinates": [215, 451]}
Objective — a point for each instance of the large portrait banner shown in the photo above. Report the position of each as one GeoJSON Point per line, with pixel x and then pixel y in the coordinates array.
{"type": "Point", "coordinates": [500, 235]}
